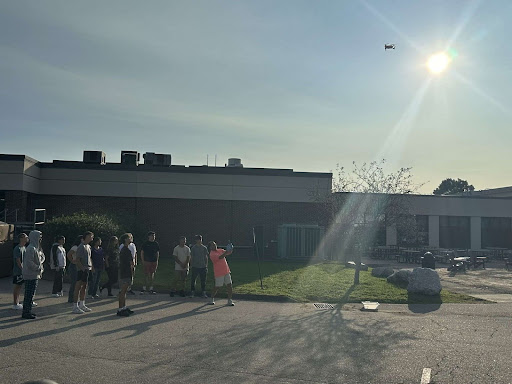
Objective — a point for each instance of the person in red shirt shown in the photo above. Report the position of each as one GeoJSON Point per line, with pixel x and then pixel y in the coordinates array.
{"type": "Point", "coordinates": [220, 271]}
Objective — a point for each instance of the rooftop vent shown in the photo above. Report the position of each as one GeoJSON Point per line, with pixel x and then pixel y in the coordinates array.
{"type": "Point", "coordinates": [235, 163]}
{"type": "Point", "coordinates": [157, 159]}
{"type": "Point", "coordinates": [130, 157]}
{"type": "Point", "coordinates": [95, 157]}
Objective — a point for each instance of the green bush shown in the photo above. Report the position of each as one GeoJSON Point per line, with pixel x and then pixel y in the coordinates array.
{"type": "Point", "coordinates": [76, 224]}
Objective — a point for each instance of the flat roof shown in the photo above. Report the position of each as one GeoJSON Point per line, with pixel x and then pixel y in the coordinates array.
{"type": "Point", "coordinates": [64, 164]}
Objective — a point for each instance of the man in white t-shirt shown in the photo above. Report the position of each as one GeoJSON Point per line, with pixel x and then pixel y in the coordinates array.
{"type": "Point", "coordinates": [182, 256]}
{"type": "Point", "coordinates": [133, 250]}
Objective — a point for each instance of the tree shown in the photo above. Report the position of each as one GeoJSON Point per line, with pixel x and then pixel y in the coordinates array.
{"type": "Point", "coordinates": [452, 186]}
{"type": "Point", "coordinates": [362, 202]}
{"type": "Point", "coordinates": [72, 226]}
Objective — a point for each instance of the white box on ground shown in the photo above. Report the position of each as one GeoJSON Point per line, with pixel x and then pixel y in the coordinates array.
{"type": "Point", "coordinates": [370, 305]}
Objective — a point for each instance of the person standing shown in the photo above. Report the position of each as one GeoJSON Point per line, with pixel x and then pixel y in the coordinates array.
{"type": "Point", "coordinates": [32, 271]}
{"type": "Point", "coordinates": [181, 255]}
{"type": "Point", "coordinates": [17, 270]}
{"type": "Point", "coordinates": [72, 267]}
{"type": "Point", "coordinates": [126, 271]}
{"type": "Point", "coordinates": [133, 250]}
{"type": "Point", "coordinates": [199, 263]}
{"type": "Point", "coordinates": [111, 264]}
{"type": "Point", "coordinates": [150, 255]}
{"type": "Point", "coordinates": [221, 271]}
{"type": "Point", "coordinates": [98, 265]}
{"type": "Point", "coordinates": [58, 264]}
{"type": "Point", "coordinates": [83, 265]}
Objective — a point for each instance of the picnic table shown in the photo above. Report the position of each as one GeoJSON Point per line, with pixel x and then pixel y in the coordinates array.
{"type": "Point", "coordinates": [444, 256]}
{"type": "Point", "coordinates": [459, 263]}
{"type": "Point", "coordinates": [497, 252]}
{"type": "Point", "coordinates": [411, 255]}
{"type": "Point", "coordinates": [478, 260]}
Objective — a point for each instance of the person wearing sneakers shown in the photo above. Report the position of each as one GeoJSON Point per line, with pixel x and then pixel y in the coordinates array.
{"type": "Point", "coordinates": [199, 263]}
{"type": "Point", "coordinates": [111, 264]}
{"type": "Point", "coordinates": [32, 271]}
{"type": "Point", "coordinates": [72, 267]}
{"type": "Point", "coordinates": [58, 264]}
{"type": "Point", "coordinates": [181, 255]}
{"type": "Point", "coordinates": [149, 256]}
{"type": "Point", "coordinates": [82, 258]}
{"type": "Point", "coordinates": [17, 271]}
{"type": "Point", "coordinates": [221, 271]}
{"type": "Point", "coordinates": [133, 250]}
{"type": "Point", "coordinates": [98, 265]}
{"type": "Point", "coordinates": [126, 270]}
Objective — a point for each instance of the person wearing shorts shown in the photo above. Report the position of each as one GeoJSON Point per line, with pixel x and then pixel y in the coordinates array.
{"type": "Point", "coordinates": [82, 258]}
{"type": "Point", "coordinates": [221, 271]}
{"type": "Point", "coordinates": [126, 270]}
{"type": "Point", "coordinates": [150, 255]}
{"type": "Point", "coordinates": [17, 270]}
{"type": "Point", "coordinates": [181, 255]}
{"type": "Point", "coordinates": [72, 268]}
{"type": "Point", "coordinates": [133, 250]}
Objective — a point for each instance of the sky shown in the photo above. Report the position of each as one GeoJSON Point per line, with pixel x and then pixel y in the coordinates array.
{"type": "Point", "coordinates": [280, 84]}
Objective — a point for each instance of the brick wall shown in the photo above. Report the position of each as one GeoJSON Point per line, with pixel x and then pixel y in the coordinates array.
{"type": "Point", "coordinates": [217, 220]}
{"type": "Point", "coordinates": [17, 200]}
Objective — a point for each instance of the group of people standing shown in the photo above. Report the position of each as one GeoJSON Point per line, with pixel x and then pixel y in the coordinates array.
{"type": "Point", "coordinates": [86, 261]}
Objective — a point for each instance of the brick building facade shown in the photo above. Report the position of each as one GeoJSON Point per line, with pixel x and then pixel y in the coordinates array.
{"type": "Point", "coordinates": [221, 203]}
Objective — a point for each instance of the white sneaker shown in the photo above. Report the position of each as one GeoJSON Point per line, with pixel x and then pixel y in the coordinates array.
{"type": "Point", "coordinates": [17, 306]}
{"type": "Point", "coordinates": [55, 295]}
{"type": "Point", "coordinates": [34, 304]}
{"type": "Point", "coordinates": [231, 303]}
{"type": "Point", "coordinates": [77, 310]}
{"type": "Point", "coordinates": [212, 302]}
{"type": "Point", "coordinates": [84, 308]}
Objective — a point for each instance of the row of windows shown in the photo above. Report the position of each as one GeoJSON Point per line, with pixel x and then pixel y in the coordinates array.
{"type": "Point", "coordinates": [454, 232]}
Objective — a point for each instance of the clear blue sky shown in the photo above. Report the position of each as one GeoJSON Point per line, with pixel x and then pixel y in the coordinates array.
{"type": "Point", "coordinates": [282, 84]}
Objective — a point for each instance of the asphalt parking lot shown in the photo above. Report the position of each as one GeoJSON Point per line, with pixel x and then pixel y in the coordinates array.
{"type": "Point", "coordinates": [187, 341]}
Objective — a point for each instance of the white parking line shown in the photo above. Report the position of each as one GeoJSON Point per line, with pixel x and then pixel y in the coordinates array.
{"type": "Point", "coordinates": [425, 377]}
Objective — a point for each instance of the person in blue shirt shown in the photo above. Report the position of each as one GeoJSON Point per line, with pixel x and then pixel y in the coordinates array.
{"type": "Point", "coordinates": [17, 271]}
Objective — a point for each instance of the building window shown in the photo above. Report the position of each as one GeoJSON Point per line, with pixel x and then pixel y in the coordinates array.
{"type": "Point", "coordinates": [412, 231]}
{"type": "Point", "coordinates": [497, 232]}
{"type": "Point", "coordinates": [454, 232]}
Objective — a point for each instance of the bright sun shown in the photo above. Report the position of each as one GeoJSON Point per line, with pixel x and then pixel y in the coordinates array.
{"type": "Point", "coordinates": [438, 63]}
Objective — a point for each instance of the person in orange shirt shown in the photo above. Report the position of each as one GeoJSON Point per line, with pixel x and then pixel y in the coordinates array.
{"type": "Point", "coordinates": [221, 271]}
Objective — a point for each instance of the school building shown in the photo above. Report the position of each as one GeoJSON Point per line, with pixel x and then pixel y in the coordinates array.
{"type": "Point", "coordinates": [226, 203]}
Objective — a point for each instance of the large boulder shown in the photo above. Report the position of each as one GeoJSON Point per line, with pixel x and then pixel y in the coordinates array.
{"type": "Point", "coordinates": [400, 278]}
{"type": "Point", "coordinates": [424, 281]}
{"type": "Point", "coordinates": [382, 271]}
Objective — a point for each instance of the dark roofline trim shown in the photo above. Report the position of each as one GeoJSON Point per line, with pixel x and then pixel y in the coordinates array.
{"type": "Point", "coordinates": [7, 157]}
{"type": "Point", "coordinates": [195, 169]}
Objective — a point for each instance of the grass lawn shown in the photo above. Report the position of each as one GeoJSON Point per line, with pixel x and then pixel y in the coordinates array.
{"type": "Point", "coordinates": [325, 282]}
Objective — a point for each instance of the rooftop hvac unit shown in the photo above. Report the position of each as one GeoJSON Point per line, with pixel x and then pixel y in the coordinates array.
{"type": "Point", "coordinates": [299, 241]}
{"type": "Point", "coordinates": [95, 157]}
{"type": "Point", "coordinates": [235, 163]}
{"type": "Point", "coordinates": [130, 157]}
{"type": "Point", "coordinates": [151, 158]}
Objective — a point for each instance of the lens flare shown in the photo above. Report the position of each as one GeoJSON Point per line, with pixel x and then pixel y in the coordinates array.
{"type": "Point", "coordinates": [438, 63]}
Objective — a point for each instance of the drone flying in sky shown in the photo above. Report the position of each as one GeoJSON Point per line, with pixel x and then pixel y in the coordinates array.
{"type": "Point", "coordinates": [389, 46]}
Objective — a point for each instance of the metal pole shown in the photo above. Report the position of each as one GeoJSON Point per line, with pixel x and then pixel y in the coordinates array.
{"type": "Point", "coordinates": [257, 255]}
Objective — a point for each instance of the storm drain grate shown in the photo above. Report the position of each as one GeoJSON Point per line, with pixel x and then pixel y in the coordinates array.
{"type": "Point", "coordinates": [323, 306]}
